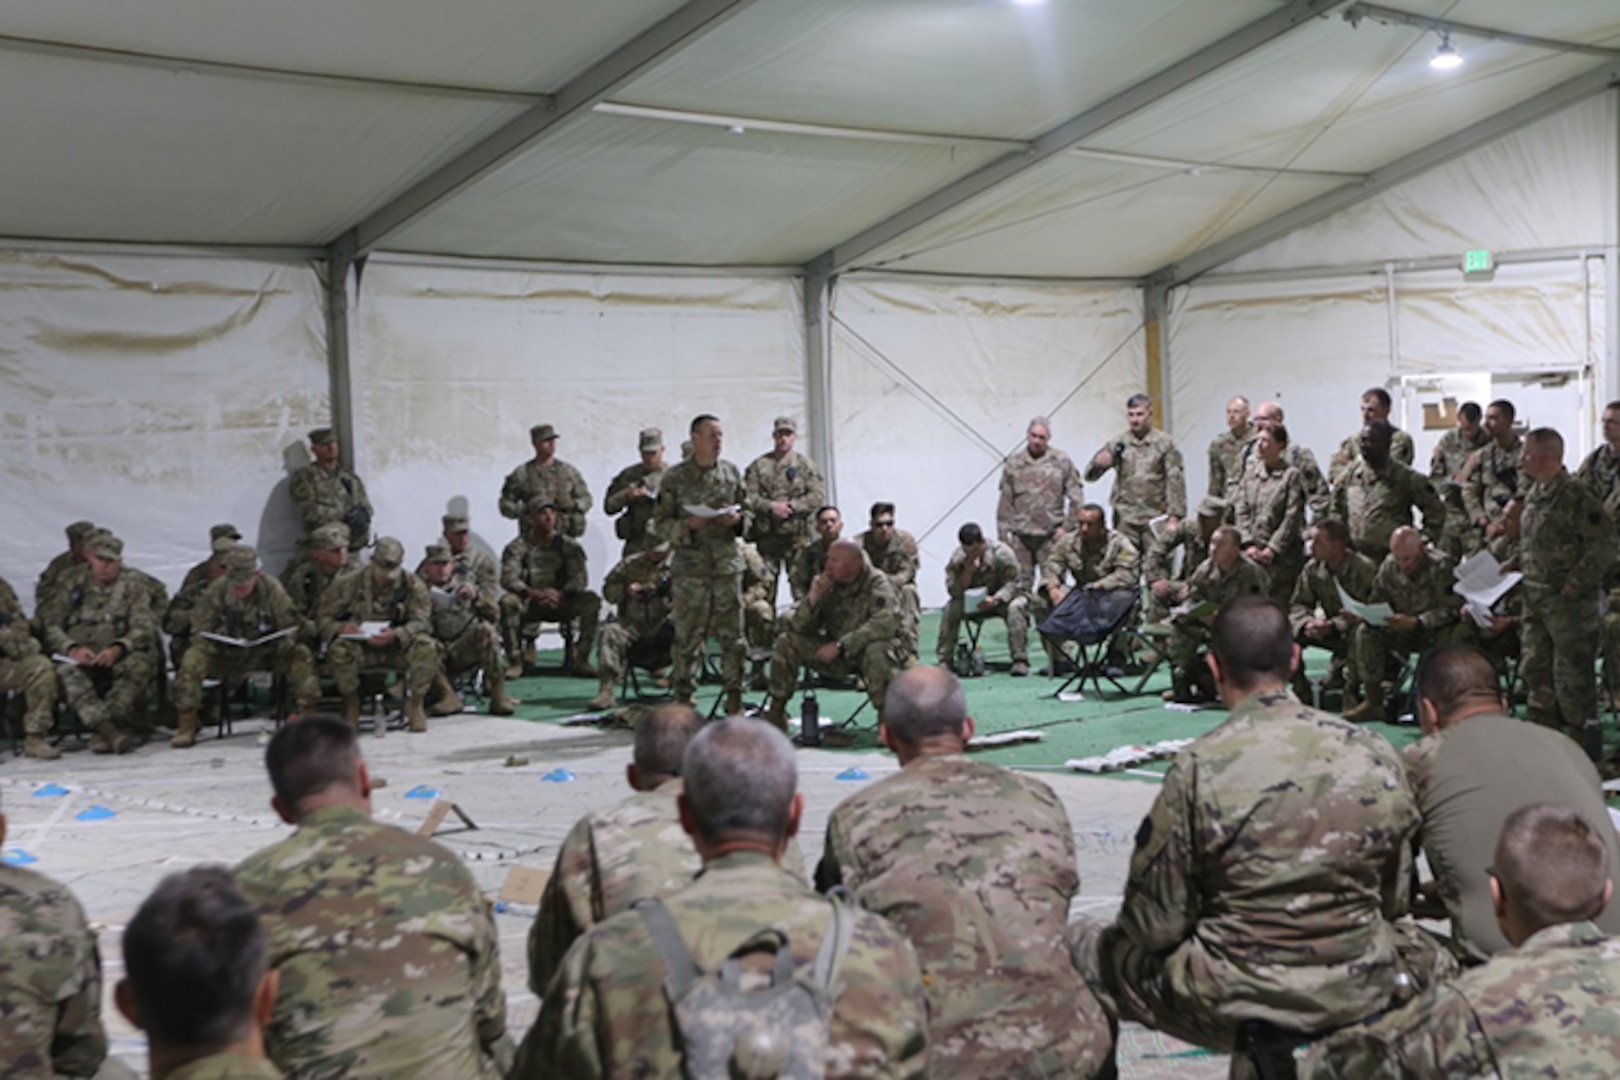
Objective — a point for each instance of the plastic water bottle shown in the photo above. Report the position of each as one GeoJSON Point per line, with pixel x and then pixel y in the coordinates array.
{"type": "Point", "coordinates": [810, 722]}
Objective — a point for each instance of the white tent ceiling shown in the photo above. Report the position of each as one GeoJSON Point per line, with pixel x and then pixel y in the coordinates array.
{"type": "Point", "coordinates": [228, 122]}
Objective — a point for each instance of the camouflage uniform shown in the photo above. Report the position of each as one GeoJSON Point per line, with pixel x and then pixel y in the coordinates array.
{"type": "Point", "coordinates": [23, 668]}
{"type": "Point", "coordinates": [863, 617]}
{"type": "Point", "coordinates": [225, 1066]}
{"type": "Point", "coordinates": [976, 864]}
{"type": "Point", "coordinates": [759, 607]}
{"type": "Point", "coordinates": [1149, 482]}
{"type": "Point", "coordinates": [177, 617]}
{"type": "Point", "coordinates": [1227, 453]}
{"type": "Point", "coordinates": [1264, 883]}
{"type": "Point", "coordinates": [1401, 449]}
{"type": "Point", "coordinates": [1158, 564]}
{"type": "Point", "coordinates": [1111, 565]}
{"type": "Point", "coordinates": [607, 1014]}
{"type": "Point", "coordinates": [1492, 479]}
{"type": "Point", "coordinates": [404, 605]}
{"type": "Point", "coordinates": [263, 611]}
{"type": "Point", "coordinates": [1426, 595]}
{"type": "Point", "coordinates": [1601, 473]}
{"type": "Point", "coordinates": [1039, 496]}
{"type": "Point", "coordinates": [332, 495]}
{"type": "Point", "coordinates": [1546, 1008]}
{"type": "Point", "coordinates": [57, 571]}
{"type": "Point", "coordinates": [1567, 546]}
{"type": "Point", "coordinates": [1447, 465]}
{"type": "Point", "coordinates": [84, 612]}
{"type": "Point", "coordinates": [1000, 575]}
{"type": "Point", "coordinates": [527, 564]}
{"type": "Point", "coordinates": [795, 480]}
{"type": "Point", "coordinates": [1318, 493]}
{"type": "Point", "coordinates": [644, 619]}
{"type": "Point", "coordinates": [807, 563]}
{"type": "Point", "coordinates": [1268, 508]}
{"type": "Point", "coordinates": [1209, 585]}
{"type": "Point", "coordinates": [612, 858]}
{"type": "Point", "coordinates": [306, 585]}
{"type": "Point", "coordinates": [705, 571]}
{"type": "Point", "coordinates": [388, 953]}
{"type": "Point", "coordinates": [50, 980]}
{"type": "Point", "coordinates": [1376, 502]}
{"type": "Point", "coordinates": [467, 628]}
{"type": "Point", "coordinates": [1317, 587]}
{"type": "Point", "coordinates": [634, 517]}
{"type": "Point", "coordinates": [898, 559]}
{"type": "Point", "coordinates": [556, 482]}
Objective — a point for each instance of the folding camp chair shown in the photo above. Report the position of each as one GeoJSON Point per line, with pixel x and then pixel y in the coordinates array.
{"type": "Point", "coordinates": [1093, 619]}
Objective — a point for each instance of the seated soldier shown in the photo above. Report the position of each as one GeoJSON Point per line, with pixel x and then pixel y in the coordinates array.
{"type": "Point", "coordinates": [1093, 557]}
{"type": "Point", "coordinates": [604, 1014]}
{"type": "Point", "coordinates": [177, 617]}
{"type": "Point", "coordinates": [1268, 508]}
{"type": "Point", "coordinates": [309, 576]}
{"type": "Point", "coordinates": [759, 609]}
{"type": "Point", "coordinates": [1414, 580]}
{"type": "Point", "coordinates": [101, 619]}
{"type": "Point", "coordinates": [387, 952]}
{"type": "Point", "coordinates": [1266, 879]}
{"type": "Point", "coordinates": [26, 670]}
{"type": "Point", "coordinates": [643, 632]}
{"type": "Point", "coordinates": [544, 575]}
{"type": "Point", "coordinates": [847, 624]}
{"type": "Point", "coordinates": [1223, 577]}
{"type": "Point", "coordinates": [243, 607]}
{"type": "Point", "coordinates": [399, 637]}
{"type": "Point", "coordinates": [464, 617]}
{"type": "Point", "coordinates": [1317, 610]}
{"type": "Point", "coordinates": [50, 979]}
{"type": "Point", "coordinates": [980, 562]}
{"type": "Point", "coordinates": [1474, 766]}
{"type": "Point", "coordinates": [198, 981]}
{"type": "Point", "coordinates": [63, 563]}
{"type": "Point", "coordinates": [894, 552]}
{"type": "Point", "coordinates": [1546, 1006]}
{"type": "Point", "coordinates": [976, 864]}
{"type": "Point", "coordinates": [1167, 581]}
{"type": "Point", "coordinates": [811, 559]}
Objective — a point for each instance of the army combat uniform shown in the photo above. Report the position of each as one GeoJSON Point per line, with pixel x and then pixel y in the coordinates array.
{"type": "Point", "coordinates": [332, 495]}
{"type": "Point", "coordinates": [999, 575]}
{"type": "Point", "coordinates": [530, 563]}
{"type": "Point", "coordinates": [401, 602]}
{"type": "Point", "coordinates": [1109, 565]}
{"type": "Point", "coordinates": [1426, 596]}
{"type": "Point", "coordinates": [24, 668]}
{"type": "Point", "coordinates": [795, 480]}
{"type": "Point", "coordinates": [1318, 492]}
{"type": "Point", "coordinates": [1039, 496]}
{"type": "Point", "coordinates": [1600, 472]}
{"type": "Point", "coordinates": [1317, 589]}
{"type": "Point", "coordinates": [1447, 467]}
{"type": "Point", "coordinates": [1268, 508]}
{"type": "Point", "coordinates": [898, 559]}
{"type": "Point", "coordinates": [556, 482]}
{"type": "Point", "coordinates": [706, 571]}
{"type": "Point", "coordinates": [1227, 453]}
{"type": "Point", "coordinates": [633, 517]}
{"type": "Point", "coordinates": [1208, 585]}
{"type": "Point", "coordinates": [84, 612]}
{"type": "Point", "coordinates": [465, 628]}
{"type": "Point", "coordinates": [1376, 502]}
{"type": "Point", "coordinates": [640, 589]}
{"type": "Point", "coordinates": [1401, 449]}
{"type": "Point", "coordinates": [759, 604]}
{"type": "Point", "coordinates": [805, 565]}
{"type": "Point", "coordinates": [50, 980]}
{"type": "Point", "coordinates": [1149, 482]}
{"type": "Point", "coordinates": [863, 617]}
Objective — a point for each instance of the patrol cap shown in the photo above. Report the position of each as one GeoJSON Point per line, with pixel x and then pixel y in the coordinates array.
{"type": "Point", "coordinates": [222, 544]}
{"type": "Point", "coordinates": [241, 563]}
{"type": "Point", "coordinates": [784, 423]}
{"type": "Point", "coordinates": [224, 529]}
{"type": "Point", "coordinates": [542, 432]}
{"type": "Point", "coordinates": [1212, 507]}
{"type": "Point", "coordinates": [329, 538]}
{"type": "Point", "coordinates": [105, 545]}
{"type": "Point", "coordinates": [321, 436]}
{"type": "Point", "coordinates": [651, 439]}
{"type": "Point", "coordinates": [539, 503]}
{"type": "Point", "coordinates": [454, 523]}
{"type": "Point", "coordinates": [388, 553]}
{"type": "Point", "coordinates": [80, 531]}
{"type": "Point", "coordinates": [439, 553]}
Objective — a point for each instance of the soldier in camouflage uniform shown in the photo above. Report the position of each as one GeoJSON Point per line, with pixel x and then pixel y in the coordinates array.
{"type": "Point", "coordinates": [102, 619]}
{"type": "Point", "coordinates": [1167, 581]}
{"type": "Point", "coordinates": [177, 621]}
{"type": "Point", "coordinates": [706, 569]}
{"type": "Point", "coordinates": [1416, 582]}
{"type": "Point", "coordinates": [1375, 406]}
{"type": "Point", "coordinates": [1318, 495]}
{"type": "Point", "coordinates": [759, 613]}
{"type": "Point", "coordinates": [387, 952]}
{"type": "Point", "coordinates": [981, 563]}
{"type": "Point", "coordinates": [811, 559]}
{"type": "Point", "coordinates": [1220, 579]}
{"type": "Point", "coordinates": [50, 979]}
{"type": "Point", "coordinates": [24, 669]}
{"type": "Point", "coordinates": [61, 566]}
{"type": "Point", "coordinates": [544, 575]}
{"type": "Point", "coordinates": [848, 624]}
{"type": "Point", "coordinates": [1544, 1008]}
{"type": "Point", "coordinates": [1446, 470]}
{"type": "Point", "coordinates": [1227, 450]}
{"type": "Point", "coordinates": [473, 566]}
{"type": "Point", "coordinates": [784, 490]}
{"type": "Point", "coordinates": [1566, 548]}
{"type": "Point", "coordinates": [309, 576]}
{"type": "Point", "coordinates": [1491, 477]}
{"type": "Point", "coordinates": [1266, 878]}
{"type": "Point", "coordinates": [1601, 473]}
{"type": "Point", "coordinates": [549, 479]}
{"type": "Point", "coordinates": [633, 494]}
{"type": "Point", "coordinates": [326, 493]}
{"type": "Point", "coordinates": [1149, 481]}
{"type": "Point", "coordinates": [893, 552]}
{"type": "Point", "coordinates": [1376, 495]}
{"type": "Point", "coordinates": [381, 592]}
{"type": "Point", "coordinates": [976, 864]}
{"type": "Point", "coordinates": [245, 605]}
{"type": "Point", "coordinates": [1041, 491]}
{"type": "Point", "coordinates": [1268, 508]}
{"type": "Point", "coordinates": [639, 588]}
{"type": "Point", "coordinates": [465, 615]}
{"type": "Point", "coordinates": [606, 1013]}
{"type": "Point", "coordinates": [1092, 557]}
{"type": "Point", "coordinates": [1316, 610]}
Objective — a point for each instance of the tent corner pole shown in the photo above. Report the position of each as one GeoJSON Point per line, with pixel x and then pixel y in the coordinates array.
{"type": "Point", "coordinates": [1155, 314]}
{"type": "Point", "coordinates": [336, 273]}
{"type": "Point", "coordinates": [818, 286]}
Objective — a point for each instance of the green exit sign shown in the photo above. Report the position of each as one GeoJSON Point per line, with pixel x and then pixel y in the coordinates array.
{"type": "Point", "coordinates": [1478, 262]}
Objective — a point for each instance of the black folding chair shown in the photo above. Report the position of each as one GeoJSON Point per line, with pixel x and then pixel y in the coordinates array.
{"type": "Point", "coordinates": [1092, 619]}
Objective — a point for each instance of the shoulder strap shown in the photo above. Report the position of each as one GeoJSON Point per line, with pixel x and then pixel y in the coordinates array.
{"type": "Point", "coordinates": [835, 945]}
{"type": "Point", "coordinates": [683, 970]}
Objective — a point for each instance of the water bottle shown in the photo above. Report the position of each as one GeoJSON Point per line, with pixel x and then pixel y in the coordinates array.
{"type": "Point", "coordinates": [810, 722]}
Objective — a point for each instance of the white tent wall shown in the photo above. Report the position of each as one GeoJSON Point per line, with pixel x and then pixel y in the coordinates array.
{"type": "Point", "coordinates": [452, 364]}
{"type": "Point", "coordinates": [155, 395]}
{"type": "Point", "coordinates": [933, 383]}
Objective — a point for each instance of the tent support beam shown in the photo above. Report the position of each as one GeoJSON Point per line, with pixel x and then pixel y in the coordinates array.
{"type": "Point", "coordinates": [1396, 172]}
{"type": "Point", "coordinates": [1071, 133]}
{"type": "Point", "coordinates": [577, 97]}
{"type": "Point", "coordinates": [1155, 324]}
{"type": "Point", "coordinates": [336, 274]}
{"type": "Point", "coordinates": [817, 380]}
{"type": "Point", "coordinates": [1611, 268]}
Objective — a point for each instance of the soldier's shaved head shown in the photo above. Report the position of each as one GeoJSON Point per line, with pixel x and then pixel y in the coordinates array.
{"type": "Point", "coordinates": [1458, 680]}
{"type": "Point", "coordinates": [662, 737]}
{"type": "Point", "coordinates": [740, 781]}
{"type": "Point", "coordinates": [845, 561]}
{"type": "Point", "coordinates": [1253, 643]}
{"type": "Point", "coordinates": [1550, 867]}
{"type": "Point", "coordinates": [313, 756]}
{"type": "Point", "coordinates": [1406, 545]}
{"type": "Point", "coordinates": [922, 702]}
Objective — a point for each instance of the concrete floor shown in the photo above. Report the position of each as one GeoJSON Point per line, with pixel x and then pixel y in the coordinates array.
{"type": "Point", "coordinates": [172, 809]}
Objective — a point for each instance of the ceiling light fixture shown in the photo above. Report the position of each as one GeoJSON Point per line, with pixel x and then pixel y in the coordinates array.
{"type": "Point", "coordinates": [1446, 58]}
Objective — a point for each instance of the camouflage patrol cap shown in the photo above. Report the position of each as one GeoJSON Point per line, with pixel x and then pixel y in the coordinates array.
{"type": "Point", "coordinates": [784, 423]}
{"type": "Point", "coordinates": [439, 553]}
{"type": "Point", "coordinates": [539, 503]}
{"type": "Point", "coordinates": [1212, 507]}
{"type": "Point", "coordinates": [105, 545]}
{"type": "Point", "coordinates": [222, 544]}
{"type": "Point", "coordinates": [651, 439]}
{"type": "Point", "coordinates": [321, 436]}
{"type": "Point", "coordinates": [241, 563]}
{"type": "Point", "coordinates": [388, 554]}
{"type": "Point", "coordinates": [224, 529]}
{"type": "Point", "coordinates": [542, 432]}
{"type": "Point", "coordinates": [454, 523]}
{"type": "Point", "coordinates": [329, 538]}
{"type": "Point", "coordinates": [80, 531]}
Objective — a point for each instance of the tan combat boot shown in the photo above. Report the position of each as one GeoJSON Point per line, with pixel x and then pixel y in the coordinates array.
{"type": "Point", "coordinates": [186, 735]}
{"type": "Point", "coordinates": [499, 703]}
{"type": "Point", "coordinates": [414, 717]}
{"type": "Point", "coordinates": [35, 746]}
{"type": "Point", "coordinates": [351, 710]}
{"type": "Point", "coordinates": [449, 702]}
{"type": "Point", "coordinates": [604, 696]}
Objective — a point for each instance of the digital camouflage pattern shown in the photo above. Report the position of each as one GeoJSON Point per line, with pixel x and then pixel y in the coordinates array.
{"type": "Point", "coordinates": [1038, 496]}
{"type": "Point", "coordinates": [758, 598]}
{"type": "Point", "coordinates": [1210, 585]}
{"type": "Point", "coordinates": [306, 584]}
{"type": "Point", "coordinates": [50, 579]}
{"type": "Point", "coordinates": [1401, 449]}
{"type": "Point", "coordinates": [1263, 882]}
{"type": "Point", "coordinates": [635, 514]}
{"type": "Point", "coordinates": [1317, 589]}
{"type": "Point", "coordinates": [403, 604]}
{"type": "Point", "coordinates": [976, 865]}
{"type": "Point", "coordinates": [804, 566]}
{"type": "Point", "coordinates": [388, 953]}
{"type": "Point", "coordinates": [1492, 479]}
{"type": "Point", "coordinates": [705, 570]}
{"type": "Point", "coordinates": [264, 610]}
{"type": "Point", "coordinates": [331, 495]}
{"type": "Point", "coordinates": [1601, 473]}
{"type": "Point", "coordinates": [1546, 1008]}
{"type": "Point", "coordinates": [85, 612]}
{"type": "Point", "coordinates": [608, 1016]}
{"type": "Point", "coordinates": [1159, 564]}
{"type": "Point", "coordinates": [793, 479]}
{"type": "Point", "coordinates": [1452, 451]}
{"type": "Point", "coordinates": [643, 617]}
{"type": "Point", "coordinates": [1149, 479]}
{"type": "Point", "coordinates": [998, 574]}
{"type": "Point", "coordinates": [1447, 464]}
{"type": "Point", "coordinates": [1426, 595]}
{"type": "Point", "coordinates": [528, 563]}
{"type": "Point", "coordinates": [898, 558]}
{"type": "Point", "coordinates": [864, 616]}
{"type": "Point", "coordinates": [177, 621]}
{"type": "Point", "coordinates": [1268, 508]}
{"type": "Point", "coordinates": [23, 668]}
{"type": "Point", "coordinates": [557, 482]}
{"type": "Point", "coordinates": [1110, 564]}
{"type": "Point", "coordinates": [1226, 456]}
{"type": "Point", "coordinates": [1318, 492]}
{"type": "Point", "coordinates": [1376, 502]}
{"type": "Point", "coordinates": [50, 980]}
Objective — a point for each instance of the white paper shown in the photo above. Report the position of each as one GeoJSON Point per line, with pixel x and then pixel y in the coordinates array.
{"type": "Point", "coordinates": [367, 631]}
{"type": "Point", "coordinates": [972, 598]}
{"type": "Point", "coordinates": [1371, 614]}
{"type": "Point", "coordinates": [60, 659]}
{"type": "Point", "coordinates": [245, 643]}
{"type": "Point", "coordinates": [1156, 526]}
{"type": "Point", "coordinates": [1480, 579]}
{"type": "Point", "coordinates": [711, 511]}
{"type": "Point", "coordinates": [442, 598]}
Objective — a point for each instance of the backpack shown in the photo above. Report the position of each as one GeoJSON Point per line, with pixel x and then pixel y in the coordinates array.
{"type": "Point", "coordinates": [725, 1031]}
